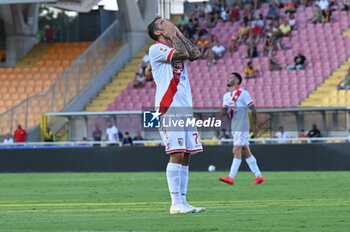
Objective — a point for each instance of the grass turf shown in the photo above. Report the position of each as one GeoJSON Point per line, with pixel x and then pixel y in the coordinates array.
{"type": "Point", "coordinates": [288, 201]}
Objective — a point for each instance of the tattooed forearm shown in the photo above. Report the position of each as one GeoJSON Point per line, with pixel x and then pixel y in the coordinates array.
{"type": "Point", "coordinates": [192, 49]}
{"type": "Point", "coordinates": [181, 52]}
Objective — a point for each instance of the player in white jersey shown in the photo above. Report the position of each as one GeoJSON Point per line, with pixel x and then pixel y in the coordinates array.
{"type": "Point", "coordinates": [167, 57]}
{"type": "Point", "coordinates": [237, 102]}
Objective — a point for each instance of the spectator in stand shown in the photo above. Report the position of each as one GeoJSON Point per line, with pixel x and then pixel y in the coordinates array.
{"type": "Point", "coordinates": [273, 64]}
{"type": "Point", "coordinates": [346, 5]}
{"type": "Point", "coordinates": [196, 11]}
{"type": "Point", "coordinates": [272, 13]}
{"type": "Point", "coordinates": [216, 135]}
{"type": "Point", "coordinates": [268, 48]}
{"type": "Point", "coordinates": [205, 10]}
{"type": "Point", "coordinates": [289, 7]}
{"type": "Point", "coordinates": [218, 52]}
{"type": "Point", "coordinates": [314, 132]}
{"type": "Point", "coordinates": [250, 71]}
{"type": "Point", "coordinates": [223, 134]}
{"type": "Point", "coordinates": [345, 84]}
{"type": "Point", "coordinates": [257, 25]}
{"type": "Point", "coordinates": [139, 81]}
{"type": "Point", "coordinates": [138, 137]}
{"type": "Point", "coordinates": [252, 46]}
{"type": "Point", "coordinates": [243, 33]}
{"type": "Point", "coordinates": [317, 15]}
{"type": "Point", "coordinates": [285, 28]}
{"type": "Point", "coordinates": [20, 135]}
{"type": "Point", "coordinates": [282, 136]}
{"type": "Point", "coordinates": [327, 15]}
{"type": "Point", "coordinates": [233, 45]}
{"type": "Point", "coordinates": [302, 135]}
{"type": "Point", "coordinates": [201, 31]}
{"type": "Point", "coordinates": [49, 34]}
{"type": "Point", "coordinates": [49, 136]}
{"type": "Point", "coordinates": [204, 46]}
{"type": "Point", "coordinates": [97, 135]}
{"type": "Point", "coordinates": [323, 4]}
{"type": "Point", "coordinates": [248, 13]}
{"type": "Point", "coordinates": [183, 20]}
{"type": "Point", "coordinates": [127, 140]}
{"type": "Point", "coordinates": [235, 15]}
{"type": "Point", "coordinates": [292, 22]}
{"type": "Point", "coordinates": [112, 134]}
{"type": "Point", "coordinates": [279, 4]}
{"type": "Point", "coordinates": [8, 139]}
{"type": "Point", "coordinates": [300, 62]}
{"type": "Point", "coordinates": [144, 63]}
{"type": "Point", "coordinates": [149, 75]}
{"type": "Point", "coordinates": [273, 28]}
{"type": "Point", "coordinates": [213, 18]}
{"type": "Point", "coordinates": [191, 31]}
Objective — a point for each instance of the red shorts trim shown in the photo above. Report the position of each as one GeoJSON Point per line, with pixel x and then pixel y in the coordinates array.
{"type": "Point", "coordinates": [194, 150]}
{"type": "Point", "coordinates": [176, 150]}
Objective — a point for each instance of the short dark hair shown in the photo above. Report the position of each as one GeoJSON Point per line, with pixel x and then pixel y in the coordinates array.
{"type": "Point", "coordinates": [151, 28]}
{"type": "Point", "coordinates": [238, 76]}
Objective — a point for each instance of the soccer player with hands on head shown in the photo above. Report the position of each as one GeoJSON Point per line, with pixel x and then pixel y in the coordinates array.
{"type": "Point", "coordinates": [168, 57]}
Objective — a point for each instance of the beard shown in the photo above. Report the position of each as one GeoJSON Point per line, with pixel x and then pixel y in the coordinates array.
{"type": "Point", "coordinates": [229, 84]}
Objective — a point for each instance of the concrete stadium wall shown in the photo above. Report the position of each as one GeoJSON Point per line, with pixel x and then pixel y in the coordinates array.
{"type": "Point", "coordinates": [296, 157]}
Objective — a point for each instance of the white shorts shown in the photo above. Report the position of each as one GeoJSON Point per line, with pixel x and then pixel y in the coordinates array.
{"type": "Point", "coordinates": [181, 141]}
{"type": "Point", "coordinates": [240, 138]}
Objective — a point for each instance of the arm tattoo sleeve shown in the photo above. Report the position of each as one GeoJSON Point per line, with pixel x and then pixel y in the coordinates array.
{"type": "Point", "coordinates": [192, 49]}
{"type": "Point", "coordinates": [181, 51]}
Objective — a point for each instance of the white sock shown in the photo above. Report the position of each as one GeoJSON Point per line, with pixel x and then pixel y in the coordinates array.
{"type": "Point", "coordinates": [184, 183]}
{"type": "Point", "coordinates": [251, 161]}
{"type": "Point", "coordinates": [234, 167]}
{"type": "Point", "coordinates": [174, 181]}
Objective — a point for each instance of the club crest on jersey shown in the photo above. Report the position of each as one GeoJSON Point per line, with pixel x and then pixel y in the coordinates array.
{"type": "Point", "coordinates": [180, 141]}
{"type": "Point", "coordinates": [162, 49]}
{"type": "Point", "coordinates": [178, 67]}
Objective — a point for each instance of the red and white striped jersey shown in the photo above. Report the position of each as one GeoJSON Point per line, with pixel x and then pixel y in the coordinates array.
{"type": "Point", "coordinates": [171, 78]}
{"type": "Point", "coordinates": [238, 102]}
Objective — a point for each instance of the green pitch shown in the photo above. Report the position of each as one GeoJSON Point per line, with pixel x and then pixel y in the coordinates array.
{"type": "Point", "coordinates": [288, 201]}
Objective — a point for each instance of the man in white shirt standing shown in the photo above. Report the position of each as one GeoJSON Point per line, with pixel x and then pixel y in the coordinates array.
{"type": "Point", "coordinates": [282, 136]}
{"type": "Point", "coordinates": [8, 139]}
{"type": "Point", "coordinates": [112, 134]}
{"type": "Point", "coordinates": [218, 52]}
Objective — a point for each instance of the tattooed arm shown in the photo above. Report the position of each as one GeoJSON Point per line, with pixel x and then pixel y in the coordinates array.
{"type": "Point", "coordinates": [193, 51]}
{"type": "Point", "coordinates": [181, 52]}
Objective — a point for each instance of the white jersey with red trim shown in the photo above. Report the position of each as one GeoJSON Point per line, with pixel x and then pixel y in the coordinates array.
{"type": "Point", "coordinates": [238, 102]}
{"type": "Point", "coordinates": [171, 78]}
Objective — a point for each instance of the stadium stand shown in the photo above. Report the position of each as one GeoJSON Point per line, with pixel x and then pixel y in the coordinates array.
{"type": "Point", "coordinates": [208, 83]}
{"type": "Point", "coordinates": [119, 83]}
{"type": "Point", "coordinates": [37, 71]}
{"type": "Point", "coordinates": [327, 94]}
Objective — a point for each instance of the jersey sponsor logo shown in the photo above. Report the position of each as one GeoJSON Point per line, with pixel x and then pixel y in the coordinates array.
{"type": "Point", "coordinates": [180, 141]}
{"type": "Point", "coordinates": [178, 67]}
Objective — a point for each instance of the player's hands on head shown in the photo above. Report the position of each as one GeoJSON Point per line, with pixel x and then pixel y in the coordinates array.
{"type": "Point", "coordinates": [169, 30]}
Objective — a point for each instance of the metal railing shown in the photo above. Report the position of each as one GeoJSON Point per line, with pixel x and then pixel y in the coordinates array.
{"type": "Point", "coordinates": [67, 86]}
{"type": "Point", "coordinates": [160, 142]}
